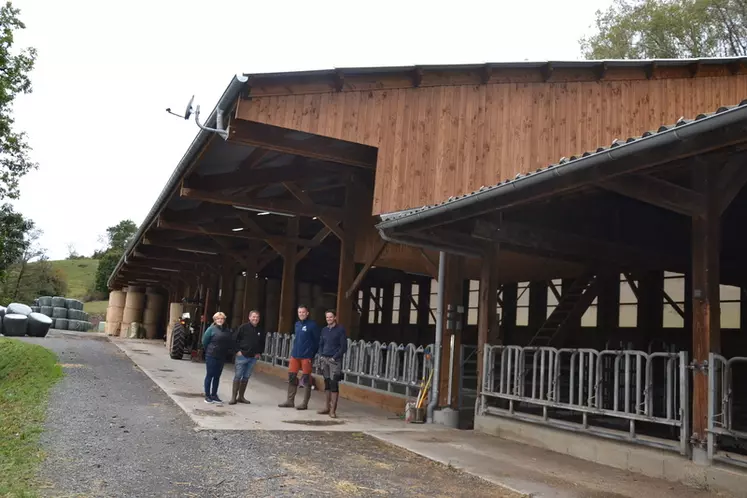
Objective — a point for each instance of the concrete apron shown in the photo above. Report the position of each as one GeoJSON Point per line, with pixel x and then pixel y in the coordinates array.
{"type": "Point", "coordinates": [182, 381]}
{"type": "Point", "coordinates": [524, 469]}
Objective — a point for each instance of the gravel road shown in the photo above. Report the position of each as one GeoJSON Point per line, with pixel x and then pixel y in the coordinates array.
{"type": "Point", "coordinates": [111, 432]}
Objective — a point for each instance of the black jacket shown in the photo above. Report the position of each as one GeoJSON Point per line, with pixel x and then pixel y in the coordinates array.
{"type": "Point", "coordinates": [250, 340]}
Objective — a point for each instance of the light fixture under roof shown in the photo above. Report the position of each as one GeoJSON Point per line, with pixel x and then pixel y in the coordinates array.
{"type": "Point", "coordinates": [236, 229]}
{"type": "Point", "coordinates": [262, 212]}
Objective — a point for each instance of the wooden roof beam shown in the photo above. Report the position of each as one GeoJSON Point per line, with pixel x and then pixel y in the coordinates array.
{"type": "Point", "coordinates": [272, 205]}
{"type": "Point", "coordinates": [304, 198]}
{"type": "Point", "coordinates": [367, 266]}
{"type": "Point", "coordinates": [155, 240]}
{"type": "Point", "coordinates": [166, 254]}
{"type": "Point", "coordinates": [217, 232]}
{"type": "Point", "coordinates": [558, 244]}
{"type": "Point", "coordinates": [731, 179]}
{"type": "Point", "coordinates": [315, 146]}
{"type": "Point", "coordinates": [258, 177]}
{"type": "Point", "coordinates": [657, 192]}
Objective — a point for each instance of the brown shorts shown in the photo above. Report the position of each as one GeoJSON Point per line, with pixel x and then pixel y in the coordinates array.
{"type": "Point", "coordinates": [330, 367]}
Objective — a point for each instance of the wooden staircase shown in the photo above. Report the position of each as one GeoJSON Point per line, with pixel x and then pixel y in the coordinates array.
{"type": "Point", "coordinates": [573, 304]}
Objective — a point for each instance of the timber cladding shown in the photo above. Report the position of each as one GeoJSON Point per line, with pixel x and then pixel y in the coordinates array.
{"type": "Point", "coordinates": [440, 141]}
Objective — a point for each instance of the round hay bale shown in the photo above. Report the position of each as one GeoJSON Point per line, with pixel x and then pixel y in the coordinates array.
{"type": "Point", "coordinates": [74, 304]}
{"type": "Point", "coordinates": [59, 312]}
{"type": "Point", "coordinates": [117, 299]}
{"type": "Point", "coordinates": [59, 302]}
{"type": "Point", "coordinates": [19, 309]}
{"type": "Point", "coordinates": [73, 314]}
{"type": "Point", "coordinates": [85, 316]}
{"type": "Point", "coordinates": [46, 310]}
{"type": "Point", "coordinates": [35, 309]}
{"type": "Point", "coordinates": [61, 323]}
{"type": "Point", "coordinates": [3, 309]}
{"type": "Point", "coordinates": [39, 325]}
{"type": "Point", "coordinates": [45, 301]}
{"type": "Point", "coordinates": [14, 325]}
{"type": "Point", "coordinates": [75, 325]}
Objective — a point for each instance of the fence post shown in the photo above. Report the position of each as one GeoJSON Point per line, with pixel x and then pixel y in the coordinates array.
{"type": "Point", "coordinates": [712, 398]}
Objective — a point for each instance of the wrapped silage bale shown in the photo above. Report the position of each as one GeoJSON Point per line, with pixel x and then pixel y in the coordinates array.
{"type": "Point", "coordinates": [18, 309]}
{"type": "Point", "coordinates": [38, 325]}
{"type": "Point", "coordinates": [58, 312]}
{"type": "Point", "coordinates": [14, 325]}
{"type": "Point", "coordinates": [61, 323]}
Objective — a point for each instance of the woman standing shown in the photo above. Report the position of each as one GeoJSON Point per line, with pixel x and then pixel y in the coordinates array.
{"type": "Point", "coordinates": [218, 344]}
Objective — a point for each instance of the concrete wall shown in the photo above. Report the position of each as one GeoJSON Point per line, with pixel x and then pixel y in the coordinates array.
{"type": "Point", "coordinates": [642, 460]}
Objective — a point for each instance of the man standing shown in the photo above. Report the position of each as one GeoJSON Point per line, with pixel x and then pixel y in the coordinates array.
{"type": "Point", "coordinates": [250, 343]}
{"type": "Point", "coordinates": [305, 347]}
{"type": "Point", "coordinates": [332, 346]}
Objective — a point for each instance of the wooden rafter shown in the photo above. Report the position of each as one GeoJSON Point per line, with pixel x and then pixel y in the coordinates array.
{"type": "Point", "coordinates": [275, 243]}
{"type": "Point", "coordinates": [201, 230]}
{"type": "Point", "coordinates": [562, 244]}
{"type": "Point", "coordinates": [304, 199]}
{"type": "Point", "coordinates": [657, 192]}
{"type": "Point", "coordinates": [259, 178]}
{"type": "Point", "coordinates": [554, 290]}
{"type": "Point", "coordinates": [432, 267]}
{"type": "Point", "coordinates": [731, 180]}
{"type": "Point", "coordinates": [318, 239]}
{"type": "Point", "coordinates": [316, 147]}
{"type": "Point", "coordinates": [274, 205]}
{"type": "Point", "coordinates": [367, 266]}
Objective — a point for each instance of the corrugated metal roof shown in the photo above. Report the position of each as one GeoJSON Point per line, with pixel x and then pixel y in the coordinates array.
{"type": "Point", "coordinates": [579, 64]}
{"type": "Point", "coordinates": [563, 162]}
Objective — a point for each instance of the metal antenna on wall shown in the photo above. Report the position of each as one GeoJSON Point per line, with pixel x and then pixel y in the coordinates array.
{"type": "Point", "coordinates": [219, 129]}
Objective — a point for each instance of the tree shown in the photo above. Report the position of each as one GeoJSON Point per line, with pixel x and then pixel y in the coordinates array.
{"type": "Point", "coordinates": [107, 263]}
{"type": "Point", "coordinates": [668, 29]}
{"type": "Point", "coordinates": [14, 69]}
{"type": "Point", "coordinates": [13, 242]}
{"type": "Point", "coordinates": [120, 234]}
{"type": "Point", "coordinates": [31, 251]}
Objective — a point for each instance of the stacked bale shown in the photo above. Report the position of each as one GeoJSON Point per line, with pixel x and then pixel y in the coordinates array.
{"type": "Point", "coordinates": [175, 313]}
{"type": "Point", "coordinates": [47, 312]}
{"type": "Point", "coordinates": [133, 310]}
{"type": "Point", "coordinates": [115, 312]}
{"type": "Point", "coordinates": [153, 314]}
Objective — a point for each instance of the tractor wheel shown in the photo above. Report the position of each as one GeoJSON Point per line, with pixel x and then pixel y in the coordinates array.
{"type": "Point", "coordinates": [178, 335]}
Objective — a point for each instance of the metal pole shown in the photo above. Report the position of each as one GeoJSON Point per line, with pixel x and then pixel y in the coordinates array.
{"type": "Point", "coordinates": [451, 364]}
{"type": "Point", "coordinates": [439, 333]}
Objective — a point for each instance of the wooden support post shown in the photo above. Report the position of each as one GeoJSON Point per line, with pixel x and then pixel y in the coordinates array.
{"type": "Point", "coordinates": [651, 305]}
{"type": "Point", "coordinates": [354, 216]}
{"type": "Point", "coordinates": [286, 319]}
{"type": "Point", "coordinates": [508, 320]}
{"type": "Point", "coordinates": [227, 284]}
{"type": "Point", "coordinates": [537, 307]}
{"type": "Point", "coordinates": [453, 297]}
{"type": "Point", "coordinates": [608, 309]}
{"type": "Point", "coordinates": [706, 317]}
{"type": "Point", "coordinates": [486, 314]}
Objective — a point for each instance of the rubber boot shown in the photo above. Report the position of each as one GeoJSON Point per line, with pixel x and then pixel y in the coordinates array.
{"type": "Point", "coordinates": [333, 406]}
{"type": "Point", "coordinates": [242, 391]}
{"type": "Point", "coordinates": [234, 392]}
{"type": "Point", "coordinates": [326, 405]}
{"type": "Point", "coordinates": [306, 393]}
{"type": "Point", "coordinates": [292, 388]}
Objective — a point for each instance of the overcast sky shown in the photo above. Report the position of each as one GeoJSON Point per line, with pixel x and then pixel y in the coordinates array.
{"type": "Point", "coordinates": [107, 70]}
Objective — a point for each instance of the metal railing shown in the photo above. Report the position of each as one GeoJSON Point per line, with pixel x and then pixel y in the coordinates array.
{"type": "Point", "coordinates": [394, 368]}
{"type": "Point", "coordinates": [607, 390]}
{"type": "Point", "coordinates": [723, 425]}
{"type": "Point", "coordinates": [467, 377]}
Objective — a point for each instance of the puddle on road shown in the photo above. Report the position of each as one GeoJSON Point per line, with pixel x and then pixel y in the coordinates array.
{"type": "Point", "coordinates": [209, 413]}
{"type": "Point", "coordinates": [320, 423]}
{"type": "Point", "coordinates": [183, 394]}
{"type": "Point", "coordinates": [165, 370]}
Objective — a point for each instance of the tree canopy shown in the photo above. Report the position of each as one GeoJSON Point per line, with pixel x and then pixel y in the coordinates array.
{"type": "Point", "coordinates": [668, 29]}
{"type": "Point", "coordinates": [15, 66]}
{"type": "Point", "coordinates": [120, 234]}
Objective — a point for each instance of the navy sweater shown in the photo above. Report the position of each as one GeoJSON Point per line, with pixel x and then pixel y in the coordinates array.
{"type": "Point", "coordinates": [334, 342]}
{"type": "Point", "coordinates": [307, 340]}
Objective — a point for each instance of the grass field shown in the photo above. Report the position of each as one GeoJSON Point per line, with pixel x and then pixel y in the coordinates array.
{"type": "Point", "coordinates": [80, 275]}
{"type": "Point", "coordinates": [27, 372]}
{"type": "Point", "coordinates": [94, 308]}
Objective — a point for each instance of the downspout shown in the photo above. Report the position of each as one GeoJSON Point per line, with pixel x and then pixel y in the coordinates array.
{"type": "Point", "coordinates": [439, 334]}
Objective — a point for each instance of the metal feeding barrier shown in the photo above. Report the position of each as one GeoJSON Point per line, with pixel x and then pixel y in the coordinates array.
{"type": "Point", "coordinates": [722, 408]}
{"type": "Point", "coordinates": [609, 391]}
{"type": "Point", "coordinates": [394, 368]}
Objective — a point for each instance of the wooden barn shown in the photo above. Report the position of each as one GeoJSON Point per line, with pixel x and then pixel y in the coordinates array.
{"type": "Point", "coordinates": [557, 242]}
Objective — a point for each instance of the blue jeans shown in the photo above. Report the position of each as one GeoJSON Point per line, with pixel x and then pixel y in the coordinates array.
{"type": "Point", "coordinates": [214, 369]}
{"type": "Point", "coordinates": [244, 367]}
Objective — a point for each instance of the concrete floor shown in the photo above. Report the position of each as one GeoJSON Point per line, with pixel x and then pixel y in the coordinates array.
{"type": "Point", "coordinates": [516, 467]}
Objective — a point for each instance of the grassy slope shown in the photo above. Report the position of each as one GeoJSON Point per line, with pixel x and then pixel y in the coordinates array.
{"type": "Point", "coordinates": [80, 275]}
{"type": "Point", "coordinates": [27, 371]}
